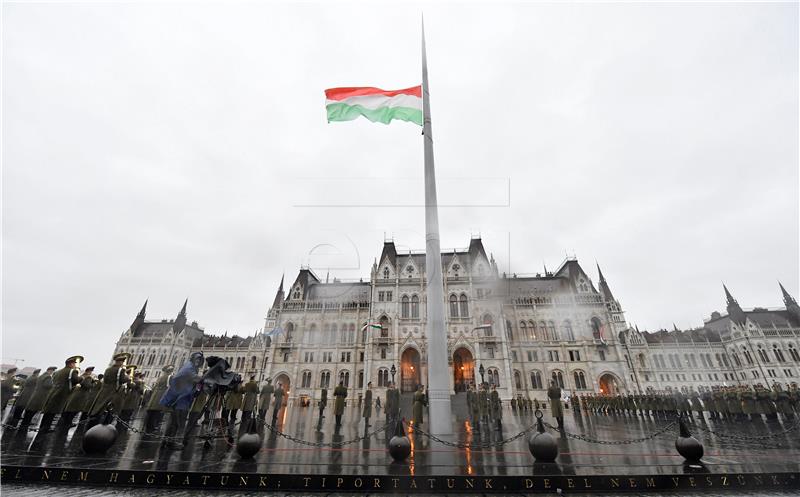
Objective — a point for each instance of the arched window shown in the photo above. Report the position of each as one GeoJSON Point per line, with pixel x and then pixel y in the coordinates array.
{"type": "Point", "coordinates": [332, 334]}
{"type": "Point", "coordinates": [488, 321]}
{"type": "Point", "coordinates": [558, 377]}
{"type": "Point", "coordinates": [778, 353]}
{"type": "Point", "coordinates": [405, 308]}
{"type": "Point", "coordinates": [414, 307]}
{"type": "Point", "coordinates": [523, 330]}
{"type": "Point", "coordinates": [360, 379]}
{"type": "Point", "coordinates": [253, 363]}
{"type": "Point", "coordinates": [551, 328]}
{"type": "Point", "coordinates": [536, 380]}
{"type": "Point", "coordinates": [463, 305]}
{"type": "Point", "coordinates": [162, 359]}
{"type": "Point", "coordinates": [517, 380]}
{"type": "Point", "coordinates": [543, 331]}
{"type": "Point", "coordinates": [568, 334]}
{"type": "Point", "coordinates": [747, 355]}
{"type": "Point", "coordinates": [494, 377]}
{"type": "Point", "coordinates": [509, 330]}
{"type": "Point", "coordinates": [152, 359]}
{"type": "Point", "coordinates": [532, 332]}
{"type": "Point", "coordinates": [289, 331]}
{"type": "Point", "coordinates": [580, 380]}
{"type": "Point", "coordinates": [735, 356]}
{"type": "Point", "coordinates": [762, 354]}
{"type": "Point", "coordinates": [793, 352]}
{"type": "Point", "coordinates": [386, 273]}
{"type": "Point", "coordinates": [383, 377]}
{"type": "Point", "coordinates": [597, 328]}
{"type": "Point", "coordinates": [384, 321]}
{"type": "Point", "coordinates": [325, 379]}
{"type": "Point", "coordinates": [453, 306]}
{"type": "Point", "coordinates": [344, 378]}
{"type": "Point", "coordinates": [306, 381]}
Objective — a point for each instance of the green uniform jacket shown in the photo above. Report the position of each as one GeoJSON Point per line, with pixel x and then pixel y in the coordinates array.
{"type": "Point", "coordinates": [267, 391]}
{"type": "Point", "coordinates": [497, 406]}
{"type": "Point", "coordinates": [734, 402]}
{"type": "Point", "coordinates": [323, 400]}
{"type": "Point", "coordinates": [41, 392]}
{"type": "Point", "coordinates": [279, 394]}
{"type": "Point", "coordinates": [367, 404]}
{"type": "Point", "coordinates": [392, 401]}
{"type": "Point", "coordinates": [765, 405]}
{"type": "Point", "coordinates": [77, 399]}
{"type": "Point", "coordinates": [554, 394]}
{"type": "Point", "coordinates": [7, 390]}
{"type": "Point", "coordinates": [250, 396]}
{"type": "Point", "coordinates": [783, 403]}
{"type": "Point", "coordinates": [339, 394]}
{"type": "Point", "coordinates": [27, 391]}
{"type": "Point", "coordinates": [233, 399]}
{"type": "Point", "coordinates": [419, 402]}
{"type": "Point", "coordinates": [749, 402]}
{"type": "Point", "coordinates": [158, 391]}
{"type": "Point", "coordinates": [483, 403]}
{"type": "Point", "coordinates": [133, 397]}
{"type": "Point", "coordinates": [63, 381]}
{"type": "Point", "coordinates": [472, 402]}
{"type": "Point", "coordinates": [113, 378]}
{"type": "Point", "coordinates": [199, 402]}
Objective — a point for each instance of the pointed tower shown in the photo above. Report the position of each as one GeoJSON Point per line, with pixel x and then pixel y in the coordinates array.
{"type": "Point", "coordinates": [791, 306]}
{"type": "Point", "coordinates": [612, 304]}
{"type": "Point", "coordinates": [735, 311]}
{"type": "Point", "coordinates": [604, 289]}
{"type": "Point", "coordinates": [279, 296]}
{"type": "Point", "coordinates": [180, 321]}
{"type": "Point", "coordinates": [139, 320]}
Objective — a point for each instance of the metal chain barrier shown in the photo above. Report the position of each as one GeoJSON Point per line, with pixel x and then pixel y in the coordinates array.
{"type": "Point", "coordinates": [753, 438]}
{"type": "Point", "coordinates": [471, 446]}
{"type": "Point", "coordinates": [585, 438]}
{"type": "Point", "coordinates": [322, 444]}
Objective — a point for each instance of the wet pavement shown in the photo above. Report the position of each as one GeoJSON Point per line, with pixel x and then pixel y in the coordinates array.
{"type": "Point", "coordinates": [769, 449]}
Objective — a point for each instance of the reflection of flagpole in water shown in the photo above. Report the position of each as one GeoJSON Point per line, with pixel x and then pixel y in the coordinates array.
{"type": "Point", "coordinates": [438, 378]}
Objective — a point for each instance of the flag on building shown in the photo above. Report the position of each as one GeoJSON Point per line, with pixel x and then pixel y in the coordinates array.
{"type": "Point", "coordinates": [377, 326]}
{"type": "Point", "coordinates": [274, 331]}
{"type": "Point", "coordinates": [346, 104]}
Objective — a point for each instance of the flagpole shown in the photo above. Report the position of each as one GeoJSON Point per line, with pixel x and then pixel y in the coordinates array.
{"type": "Point", "coordinates": [438, 375]}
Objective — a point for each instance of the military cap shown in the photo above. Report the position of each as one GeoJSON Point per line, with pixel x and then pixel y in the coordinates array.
{"type": "Point", "coordinates": [168, 368]}
{"type": "Point", "coordinates": [88, 370]}
{"type": "Point", "coordinates": [124, 356]}
{"type": "Point", "coordinates": [75, 358]}
{"type": "Point", "coordinates": [11, 371]}
{"type": "Point", "coordinates": [52, 368]}
{"type": "Point", "coordinates": [37, 371]}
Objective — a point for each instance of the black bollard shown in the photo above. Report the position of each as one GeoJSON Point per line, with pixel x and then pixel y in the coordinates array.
{"type": "Point", "coordinates": [249, 443]}
{"type": "Point", "coordinates": [98, 439]}
{"type": "Point", "coordinates": [399, 444]}
{"type": "Point", "coordinates": [542, 445]}
{"type": "Point", "coordinates": [689, 447]}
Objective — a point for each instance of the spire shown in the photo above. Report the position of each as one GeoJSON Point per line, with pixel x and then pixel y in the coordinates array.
{"type": "Point", "coordinates": [604, 288]}
{"type": "Point", "coordinates": [139, 320]}
{"type": "Point", "coordinates": [279, 296]}
{"type": "Point", "coordinates": [791, 306]}
{"type": "Point", "coordinates": [675, 327]}
{"type": "Point", "coordinates": [735, 311]}
{"type": "Point", "coordinates": [180, 321]}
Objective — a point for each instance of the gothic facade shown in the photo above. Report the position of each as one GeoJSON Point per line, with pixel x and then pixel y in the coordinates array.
{"type": "Point", "coordinates": [518, 332]}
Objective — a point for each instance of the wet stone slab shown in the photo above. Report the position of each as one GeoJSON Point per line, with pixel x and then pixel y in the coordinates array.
{"type": "Point", "coordinates": [593, 456]}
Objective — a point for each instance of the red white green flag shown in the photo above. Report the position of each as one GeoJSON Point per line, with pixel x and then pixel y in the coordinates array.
{"type": "Point", "coordinates": [346, 104]}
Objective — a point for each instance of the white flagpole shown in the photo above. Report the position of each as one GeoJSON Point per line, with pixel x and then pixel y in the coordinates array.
{"type": "Point", "coordinates": [438, 375]}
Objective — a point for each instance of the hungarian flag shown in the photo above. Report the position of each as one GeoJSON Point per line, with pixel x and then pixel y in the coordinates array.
{"type": "Point", "coordinates": [377, 326]}
{"type": "Point", "coordinates": [346, 104]}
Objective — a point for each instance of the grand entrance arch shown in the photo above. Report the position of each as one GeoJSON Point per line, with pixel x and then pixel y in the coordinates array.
{"type": "Point", "coordinates": [409, 370]}
{"type": "Point", "coordinates": [463, 370]}
{"type": "Point", "coordinates": [609, 384]}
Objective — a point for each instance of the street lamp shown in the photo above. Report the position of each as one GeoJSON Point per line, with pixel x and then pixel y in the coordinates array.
{"type": "Point", "coordinates": [482, 371]}
{"type": "Point", "coordinates": [393, 371]}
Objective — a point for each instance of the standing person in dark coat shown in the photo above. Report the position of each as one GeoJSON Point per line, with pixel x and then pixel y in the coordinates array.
{"type": "Point", "coordinates": [64, 380]}
{"type": "Point", "coordinates": [367, 413]}
{"type": "Point", "coordinates": [155, 411]}
{"type": "Point", "coordinates": [250, 402]}
{"type": "Point", "coordinates": [279, 394]}
{"type": "Point", "coordinates": [28, 387]}
{"type": "Point", "coordinates": [497, 408]}
{"type": "Point", "coordinates": [483, 403]}
{"type": "Point", "coordinates": [472, 407]}
{"type": "Point", "coordinates": [40, 394]}
{"type": "Point", "coordinates": [420, 401]}
{"type": "Point", "coordinates": [7, 389]}
{"type": "Point", "coordinates": [132, 399]}
{"type": "Point", "coordinates": [180, 394]}
{"type": "Point", "coordinates": [78, 398]}
{"type": "Point", "coordinates": [392, 406]}
{"type": "Point", "coordinates": [339, 394]}
{"type": "Point", "coordinates": [115, 378]}
{"type": "Point", "coordinates": [323, 403]}
{"type": "Point", "coordinates": [267, 391]}
{"type": "Point", "coordinates": [556, 409]}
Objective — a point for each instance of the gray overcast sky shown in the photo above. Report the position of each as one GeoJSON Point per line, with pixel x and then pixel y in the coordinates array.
{"type": "Point", "coordinates": [166, 150]}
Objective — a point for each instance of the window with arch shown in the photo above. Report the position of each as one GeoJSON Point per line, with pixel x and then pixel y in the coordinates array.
{"type": "Point", "coordinates": [493, 377]}
{"type": "Point", "coordinates": [463, 305]}
{"type": "Point", "coordinates": [332, 334]}
{"type": "Point", "coordinates": [558, 377]}
{"type": "Point", "coordinates": [162, 359]}
{"type": "Point", "coordinates": [543, 330]}
{"type": "Point", "coordinates": [793, 353]}
{"type": "Point", "coordinates": [386, 273]}
{"type": "Point", "coordinates": [488, 323]}
{"type": "Point", "coordinates": [384, 322]}
{"type": "Point", "coordinates": [152, 359]}
{"type": "Point", "coordinates": [383, 377]}
{"type": "Point", "coordinates": [141, 358]}
{"type": "Point", "coordinates": [536, 380]}
{"type": "Point", "coordinates": [532, 332]}
{"type": "Point", "coordinates": [509, 330]}
{"type": "Point", "coordinates": [405, 307]}
{"type": "Point", "coordinates": [453, 306]}
{"type": "Point", "coordinates": [289, 331]}
{"type": "Point", "coordinates": [414, 307]}
{"type": "Point", "coordinates": [747, 355]}
{"type": "Point", "coordinates": [253, 362]}
{"type": "Point", "coordinates": [580, 380]}
{"type": "Point", "coordinates": [568, 333]}
{"type": "Point", "coordinates": [325, 379]}
{"type": "Point", "coordinates": [597, 328]}
{"type": "Point", "coordinates": [551, 329]}
{"type": "Point", "coordinates": [360, 379]}
{"type": "Point", "coordinates": [778, 353]}
{"type": "Point", "coordinates": [735, 357]}
{"type": "Point", "coordinates": [523, 330]}
{"type": "Point", "coordinates": [296, 294]}
{"type": "Point", "coordinates": [517, 380]}
{"type": "Point", "coordinates": [306, 380]}
{"type": "Point", "coordinates": [762, 354]}
{"type": "Point", "coordinates": [344, 378]}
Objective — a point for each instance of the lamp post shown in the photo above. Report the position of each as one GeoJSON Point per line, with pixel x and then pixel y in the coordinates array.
{"type": "Point", "coordinates": [393, 371]}
{"type": "Point", "coordinates": [482, 371]}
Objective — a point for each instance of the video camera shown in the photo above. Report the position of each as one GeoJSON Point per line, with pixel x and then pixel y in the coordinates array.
{"type": "Point", "coordinates": [218, 379]}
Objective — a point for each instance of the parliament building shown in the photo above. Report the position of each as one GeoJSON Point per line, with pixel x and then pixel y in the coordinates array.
{"type": "Point", "coordinates": [518, 332]}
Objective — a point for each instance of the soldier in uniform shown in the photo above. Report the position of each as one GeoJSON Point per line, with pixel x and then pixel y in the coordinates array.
{"type": "Point", "coordinates": [233, 402]}
{"type": "Point", "coordinates": [749, 407]}
{"type": "Point", "coordinates": [473, 403]}
{"type": "Point", "coordinates": [794, 397]}
{"type": "Point", "coordinates": [339, 395]}
{"type": "Point", "coordinates": [195, 413]}
{"type": "Point", "coordinates": [63, 381]}
{"type": "Point", "coordinates": [497, 408]}
{"type": "Point", "coordinates": [267, 391]}
{"type": "Point", "coordinates": [697, 404]}
{"type": "Point", "coordinates": [734, 403]}
{"type": "Point", "coordinates": [250, 402]}
{"type": "Point", "coordinates": [367, 413]}
{"type": "Point", "coordinates": [556, 410]}
{"type": "Point", "coordinates": [43, 386]}
{"type": "Point", "coordinates": [77, 399]}
{"type": "Point", "coordinates": [419, 402]}
{"type": "Point", "coordinates": [7, 389]}
{"type": "Point", "coordinates": [765, 404]}
{"type": "Point", "coordinates": [28, 387]}
{"type": "Point", "coordinates": [323, 403]}
{"type": "Point", "coordinates": [782, 402]}
{"type": "Point", "coordinates": [114, 378]}
{"type": "Point", "coordinates": [132, 398]}
{"type": "Point", "coordinates": [392, 403]}
{"type": "Point", "coordinates": [483, 403]}
{"type": "Point", "coordinates": [155, 411]}
{"type": "Point", "coordinates": [279, 393]}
